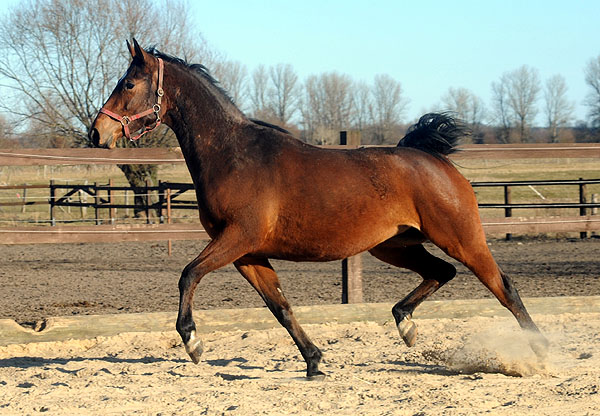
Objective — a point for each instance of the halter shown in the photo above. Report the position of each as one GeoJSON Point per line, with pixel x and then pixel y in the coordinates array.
{"type": "Point", "coordinates": [125, 120]}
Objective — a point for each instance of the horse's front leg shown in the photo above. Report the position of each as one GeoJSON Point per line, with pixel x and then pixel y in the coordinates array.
{"type": "Point", "coordinates": [224, 249]}
{"type": "Point", "coordinates": [260, 274]}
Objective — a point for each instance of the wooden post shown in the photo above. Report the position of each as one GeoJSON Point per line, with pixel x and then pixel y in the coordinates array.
{"type": "Point", "coordinates": [352, 291]}
{"type": "Point", "coordinates": [52, 200]}
{"type": "Point", "coordinates": [97, 203]}
{"type": "Point", "coordinates": [169, 245]}
{"type": "Point", "coordinates": [351, 267]}
{"type": "Point", "coordinates": [507, 211]}
{"type": "Point", "coordinates": [582, 210]}
{"type": "Point", "coordinates": [112, 211]}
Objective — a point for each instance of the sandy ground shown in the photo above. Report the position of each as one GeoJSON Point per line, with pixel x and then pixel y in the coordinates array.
{"type": "Point", "coordinates": [458, 367]}
{"type": "Point", "coordinates": [39, 281]}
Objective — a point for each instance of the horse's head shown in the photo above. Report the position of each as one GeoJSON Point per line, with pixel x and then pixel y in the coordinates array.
{"type": "Point", "coordinates": [135, 103]}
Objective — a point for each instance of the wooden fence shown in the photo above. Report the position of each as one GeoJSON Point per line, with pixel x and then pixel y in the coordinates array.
{"type": "Point", "coordinates": [40, 157]}
{"type": "Point", "coordinates": [167, 198]}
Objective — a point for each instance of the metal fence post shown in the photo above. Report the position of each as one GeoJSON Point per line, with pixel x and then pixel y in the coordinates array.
{"type": "Point", "coordinates": [161, 201]}
{"type": "Point", "coordinates": [23, 208]}
{"type": "Point", "coordinates": [97, 203]}
{"type": "Point", "coordinates": [147, 202]}
{"type": "Point", "coordinates": [112, 211]}
{"type": "Point", "coordinates": [169, 245]}
{"type": "Point", "coordinates": [52, 200]}
{"type": "Point", "coordinates": [507, 210]}
{"type": "Point", "coordinates": [582, 210]}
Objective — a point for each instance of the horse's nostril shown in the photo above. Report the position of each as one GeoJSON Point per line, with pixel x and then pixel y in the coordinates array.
{"type": "Point", "coordinates": [94, 137]}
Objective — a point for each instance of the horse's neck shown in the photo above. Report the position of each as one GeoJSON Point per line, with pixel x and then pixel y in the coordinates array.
{"type": "Point", "coordinates": [203, 119]}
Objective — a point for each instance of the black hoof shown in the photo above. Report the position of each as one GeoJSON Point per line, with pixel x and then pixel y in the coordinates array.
{"type": "Point", "coordinates": [316, 376]}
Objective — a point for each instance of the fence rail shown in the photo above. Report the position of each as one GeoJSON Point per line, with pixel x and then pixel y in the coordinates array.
{"type": "Point", "coordinates": [37, 157]}
{"type": "Point", "coordinates": [167, 198]}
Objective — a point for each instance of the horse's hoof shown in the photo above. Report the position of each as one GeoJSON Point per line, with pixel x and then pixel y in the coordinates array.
{"type": "Point", "coordinates": [408, 331]}
{"type": "Point", "coordinates": [194, 347]}
{"type": "Point", "coordinates": [316, 376]}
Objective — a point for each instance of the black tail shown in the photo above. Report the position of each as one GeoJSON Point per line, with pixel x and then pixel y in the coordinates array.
{"type": "Point", "coordinates": [436, 134]}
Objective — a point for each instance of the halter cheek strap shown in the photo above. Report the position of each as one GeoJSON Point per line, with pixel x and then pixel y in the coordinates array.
{"type": "Point", "coordinates": [125, 120]}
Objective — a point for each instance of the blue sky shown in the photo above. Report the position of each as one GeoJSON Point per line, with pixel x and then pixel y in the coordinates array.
{"type": "Point", "coordinates": [428, 46]}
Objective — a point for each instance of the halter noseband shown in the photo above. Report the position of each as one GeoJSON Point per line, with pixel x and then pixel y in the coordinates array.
{"type": "Point", "coordinates": [125, 120]}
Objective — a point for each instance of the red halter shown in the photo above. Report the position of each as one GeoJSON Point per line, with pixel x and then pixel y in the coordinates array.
{"type": "Point", "coordinates": [125, 120]}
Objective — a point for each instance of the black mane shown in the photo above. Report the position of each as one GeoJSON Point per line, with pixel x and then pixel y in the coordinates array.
{"type": "Point", "coordinates": [272, 126]}
{"type": "Point", "coordinates": [199, 69]}
{"type": "Point", "coordinates": [202, 71]}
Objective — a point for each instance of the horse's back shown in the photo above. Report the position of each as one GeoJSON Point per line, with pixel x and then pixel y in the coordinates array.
{"type": "Point", "coordinates": [334, 203]}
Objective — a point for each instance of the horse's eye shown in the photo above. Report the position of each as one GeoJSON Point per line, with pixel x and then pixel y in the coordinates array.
{"type": "Point", "coordinates": [129, 85]}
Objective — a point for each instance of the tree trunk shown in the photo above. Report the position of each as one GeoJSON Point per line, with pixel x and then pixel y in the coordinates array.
{"type": "Point", "coordinates": [137, 175]}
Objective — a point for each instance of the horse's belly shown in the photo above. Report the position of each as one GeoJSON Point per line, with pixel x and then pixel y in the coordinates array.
{"type": "Point", "coordinates": [328, 244]}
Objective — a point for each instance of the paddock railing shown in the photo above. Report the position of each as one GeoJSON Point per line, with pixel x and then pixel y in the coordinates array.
{"type": "Point", "coordinates": [156, 204]}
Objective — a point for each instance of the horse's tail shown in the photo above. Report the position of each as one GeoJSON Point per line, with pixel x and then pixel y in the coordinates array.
{"type": "Point", "coordinates": [436, 134]}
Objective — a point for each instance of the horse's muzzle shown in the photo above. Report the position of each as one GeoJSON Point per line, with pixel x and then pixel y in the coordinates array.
{"type": "Point", "coordinates": [94, 137]}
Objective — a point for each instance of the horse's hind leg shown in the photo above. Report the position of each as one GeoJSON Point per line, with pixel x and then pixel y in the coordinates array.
{"type": "Point", "coordinates": [262, 277]}
{"type": "Point", "coordinates": [434, 271]}
{"type": "Point", "coordinates": [470, 248]}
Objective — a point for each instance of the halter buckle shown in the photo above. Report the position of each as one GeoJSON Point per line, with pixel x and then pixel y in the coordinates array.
{"type": "Point", "coordinates": [125, 120]}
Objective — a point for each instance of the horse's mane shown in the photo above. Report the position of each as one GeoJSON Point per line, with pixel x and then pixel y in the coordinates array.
{"type": "Point", "coordinates": [198, 69]}
{"type": "Point", "coordinates": [203, 72]}
{"type": "Point", "coordinates": [272, 126]}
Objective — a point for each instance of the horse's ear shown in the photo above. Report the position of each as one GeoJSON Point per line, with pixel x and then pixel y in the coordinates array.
{"type": "Point", "coordinates": [137, 53]}
{"type": "Point", "coordinates": [131, 50]}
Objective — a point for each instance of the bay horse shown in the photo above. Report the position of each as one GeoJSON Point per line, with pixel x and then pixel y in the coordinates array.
{"type": "Point", "coordinates": [263, 194]}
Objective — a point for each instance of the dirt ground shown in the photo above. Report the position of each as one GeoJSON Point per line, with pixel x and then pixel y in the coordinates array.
{"type": "Point", "coordinates": [458, 367]}
{"type": "Point", "coordinates": [39, 281]}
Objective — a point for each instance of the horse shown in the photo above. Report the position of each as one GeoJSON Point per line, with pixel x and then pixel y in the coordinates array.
{"type": "Point", "coordinates": [263, 194]}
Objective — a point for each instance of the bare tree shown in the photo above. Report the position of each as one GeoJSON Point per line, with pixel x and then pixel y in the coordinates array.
{"type": "Point", "coordinates": [327, 105]}
{"type": "Point", "coordinates": [559, 110]}
{"type": "Point", "coordinates": [468, 107]}
{"type": "Point", "coordinates": [363, 105]}
{"type": "Point", "coordinates": [257, 92]}
{"type": "Point", "coordinates": [501, 110]}
{"type": "Point", "coordinates": [6, 133]}
{"type": "Point", "coordinates": [232, 75]}
{"type": "Point", "coordinates": [388, 105]}
{"type": "Point", "coordinates": [514, 98]}
{"type": "Point", "coordinates": [592, 78]}
{"type": "Point", "coordinates": [60, 59]}
{"type": "Point", "coordinates": [523, 91]}
{"type": "Point", "coordinates": [283, 93]}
